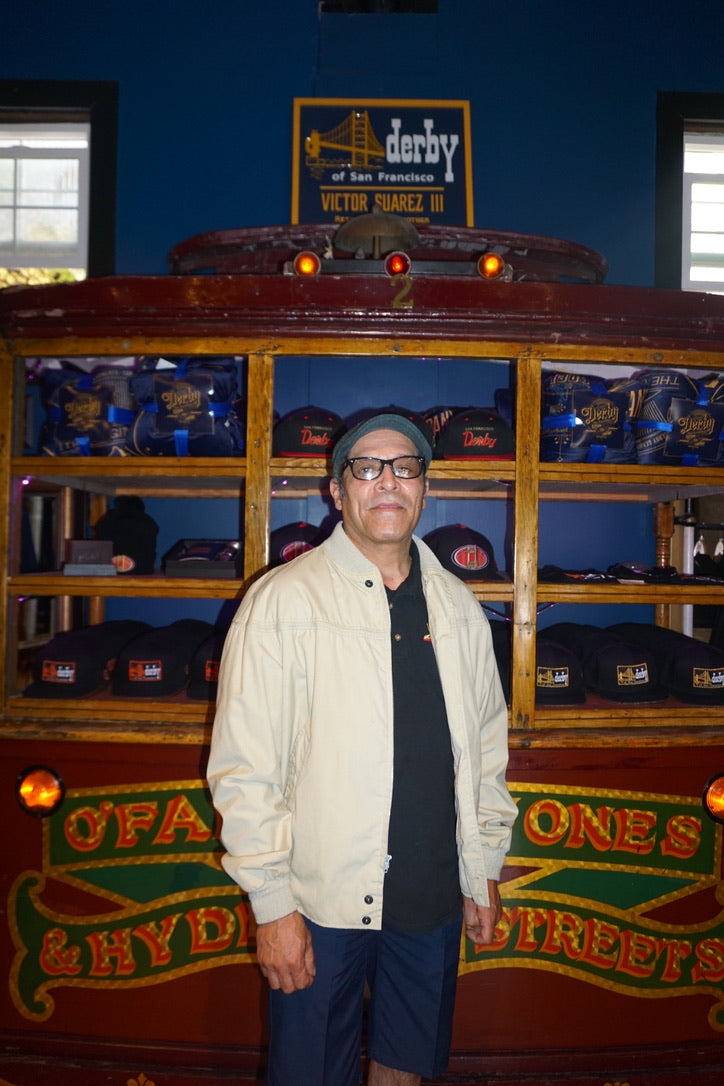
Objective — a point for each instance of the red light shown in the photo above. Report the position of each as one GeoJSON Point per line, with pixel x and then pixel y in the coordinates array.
{"type": "Point", "coordinates": [491, 265]}
{"type": "Point", "coordinates": [307, 264]}
{"type": "Point", "coordinates": [40, 790]}
{"type": "Point", "coordinates": [397, 264]}
{"type": "Point", "coordinates": [713, 798]}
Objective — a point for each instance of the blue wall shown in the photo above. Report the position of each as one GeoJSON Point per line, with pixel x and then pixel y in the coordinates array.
{"type": "Point", "coordinates": [563, 103]}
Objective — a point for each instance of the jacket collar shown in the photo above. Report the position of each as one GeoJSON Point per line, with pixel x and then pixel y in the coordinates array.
{"type": "Point", "coordinates": [345, 554]}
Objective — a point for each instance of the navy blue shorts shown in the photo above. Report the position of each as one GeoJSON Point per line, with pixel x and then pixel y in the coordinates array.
{"type": "Point", "coordinates": [316, 1034]}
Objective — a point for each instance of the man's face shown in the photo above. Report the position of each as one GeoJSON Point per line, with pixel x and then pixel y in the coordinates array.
{"type": "Point", "coordinates": [383, 510]}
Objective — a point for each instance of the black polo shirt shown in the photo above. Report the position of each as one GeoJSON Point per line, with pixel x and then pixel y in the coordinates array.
{"type": "Point", "coordinates": [422, 886]}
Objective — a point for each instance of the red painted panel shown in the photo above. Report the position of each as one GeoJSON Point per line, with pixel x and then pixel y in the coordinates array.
{"type": "Point", "coordinates": [512, 1017]}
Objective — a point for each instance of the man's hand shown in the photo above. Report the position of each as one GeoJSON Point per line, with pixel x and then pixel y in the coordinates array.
{"type": "Point", "coordinates": [480, 920]}
{"type": "Point", "coordinates": [285, 953]}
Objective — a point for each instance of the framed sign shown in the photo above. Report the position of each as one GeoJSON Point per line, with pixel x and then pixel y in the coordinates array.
{"type": "Point", "coordinates": [408, 157]}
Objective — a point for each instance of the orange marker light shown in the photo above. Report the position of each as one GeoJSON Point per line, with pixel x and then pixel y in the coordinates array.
{"type": "Point", "coordinates": [397, 263]}
{"type": "Point", "coordinates": [713, 798]}
{"type": "Point", "coordinates": [307, 264]}
{"type": "Point", "coordinates": [491, 265]}
{"type": "Point", "coordinates": [40, 791]}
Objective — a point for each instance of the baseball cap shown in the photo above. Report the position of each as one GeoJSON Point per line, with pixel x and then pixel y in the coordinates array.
{"type": "Point", "coordinates": [477, 433]}
{"type": "Point", "coordinates": [437, 419]}
{"type": "Point", "coordinates": [570, 634]}
{"type": "Point", "coordinates": [291, 540]}
{"type": "Point", "coordinates": [613, 666]}
{"type": "Point", "coordinates": [696, 672]}
{"type": "Point", "coordinates": [156, 662]}
{"type": "Point", "coordinates": [77, 662]}
{"type": "Point", "coordinates": [618, 670]}
{"type": "Point", "coordinates": [465, 552]}
{"type": "Point", "coordinates": [692, 670]}
{"type": "Point", "coordinates": [558, 675]}
{"type": "Point", "coordinates": [306, 431]}
{"type": "Point", "coordinates": [204, 667]}
{"type": "Point", "coordinates": [391, 419]}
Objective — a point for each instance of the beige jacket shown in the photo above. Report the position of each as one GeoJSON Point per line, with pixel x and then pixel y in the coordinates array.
{"type": "Point", "coordinates": [300, 767]}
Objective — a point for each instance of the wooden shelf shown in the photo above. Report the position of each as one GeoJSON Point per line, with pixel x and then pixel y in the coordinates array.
{"type": "Point", "coordinates": [608, 592]}
{"type": "Point", "coordinates": [149, 585]}
{"type": "Point", "coordinates": [302, 476]}
{"type": "Point", "coordinates": [180, 720]}
{"type": "Point", "coordinates": [151, 476]}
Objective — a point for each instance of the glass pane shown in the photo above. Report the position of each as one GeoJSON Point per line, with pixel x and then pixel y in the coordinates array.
{"type": "Point", "coordinates": [7, 182]}
{"type": "Point", "coordinates": [707, 218]}
{"type": "Point", "coordinates": [47, 229]}
{"type": "Point", "coordinates": [48, 182]}
{"type": "Point", "coordinates": [711, 161]}
{"type": "Point", "coordinates": [6, 229]}
{"type": "Point", "coordinates": [707, 243]}
{"type": "Point", "coordinates": [701, 274]}
{"type": "Point", "coordinates": [45, 136]}
{"type": "Point", "coordinates": [710, 192]}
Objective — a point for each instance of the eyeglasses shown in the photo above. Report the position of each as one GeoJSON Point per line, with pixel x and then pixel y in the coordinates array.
{"type": "Point", "coordinates": [368, 468]}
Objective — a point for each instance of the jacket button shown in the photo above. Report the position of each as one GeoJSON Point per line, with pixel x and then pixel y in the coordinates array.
{"type": "Point", "coordinates": [368, 899]}
{"type": "Point", "coordinates": [369, 584]}
{"type": "Point", "coordinates": [366, 920]}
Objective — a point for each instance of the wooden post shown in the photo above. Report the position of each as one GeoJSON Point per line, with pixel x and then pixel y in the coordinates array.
{"type": "Point", "coordinates": [664, 531]}
{"type": "Point", "coordinates": [525, 561]}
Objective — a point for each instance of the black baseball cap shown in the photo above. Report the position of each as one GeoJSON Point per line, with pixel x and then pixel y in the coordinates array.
{"type": "Point", "coordinates": [156, 662]}
{"type": "Point", "coordinates": [477, 433]}
{"type": "Point", "coordinates": [558, 674]}
{"type": "Point", "coordinates": [291, 540]}
{"type": "Point", "coordinates": [418, 433]}
{"type": "Point", "coordinates": [692, 670]}
{"type": "Point", "coordinates": [618, 670]}
{"type": "Point", "coordinates": [614, 667]}
{"type": "Point", "coordinates": [306, 431]}
{"type": "Point", "coordinates": [437, 419]}
{"type": "Point", "coordinates": [78, 662]}
{"type": "Point", "coordinates": [465, 552]}
{"type": "Point", "coordinates": [204, 667]}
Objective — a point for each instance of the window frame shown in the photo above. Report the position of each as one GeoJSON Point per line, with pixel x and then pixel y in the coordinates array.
{"type": "Point", "coordinates": [96, 103]}
{"type": "Point", "coordinates": [674, 112]}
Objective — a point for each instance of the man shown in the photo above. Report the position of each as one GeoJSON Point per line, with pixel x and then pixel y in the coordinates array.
{"type": "Point", "coordinates": [358, 763]}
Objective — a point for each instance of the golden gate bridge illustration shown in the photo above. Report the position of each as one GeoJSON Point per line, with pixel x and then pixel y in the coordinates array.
{"type": "Point", "coordinates": [352, 143]}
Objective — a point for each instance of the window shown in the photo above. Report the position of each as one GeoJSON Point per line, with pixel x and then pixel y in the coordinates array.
{"type": "Point", "coordinates": [702, 236]}
{"type": "Point", "coordinates": [44, 200]}
{"type": "Point", "coordinates": [690, 192]}
{"type": "Point", "coordinates": [57, 180]}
